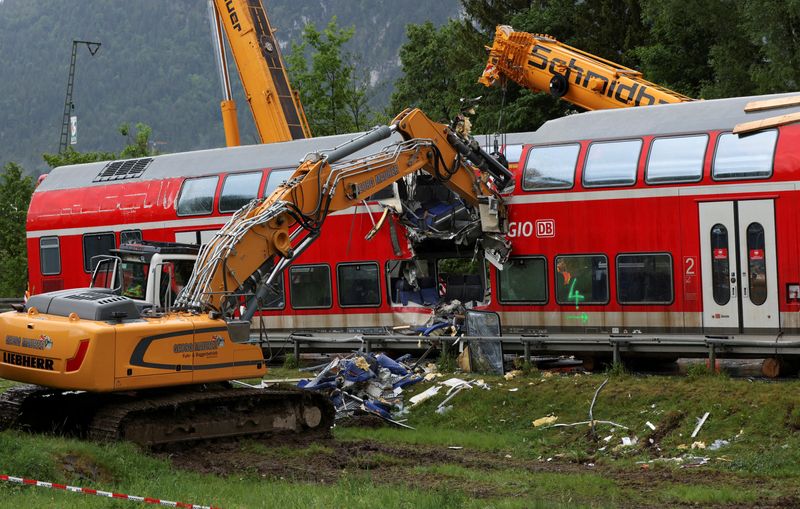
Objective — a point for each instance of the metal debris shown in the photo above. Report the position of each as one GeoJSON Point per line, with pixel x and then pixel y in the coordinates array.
{"type": "Point", "coordinates": [700, 423]}
{"type": "Point", "coordinates": [364, 382]}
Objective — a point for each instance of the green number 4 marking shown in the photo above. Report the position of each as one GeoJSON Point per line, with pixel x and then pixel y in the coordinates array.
{"type": "Point", "coordinates": [575, 295]}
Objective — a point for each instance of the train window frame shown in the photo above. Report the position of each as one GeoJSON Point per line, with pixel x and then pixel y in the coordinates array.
{"type": "Point", "coordinates": [58, 251]}
{"type": "Point", "coordinates": [646, 303]}
{"type": "Point", "coordinates": [516, 146]}
{"type": "Point", "coordinates": [128, 232]}
{"type": "Point", "coordinates": [291, 286]}
{"type": "Point", "coordinates": [483, 272]}
{"type": "Point", "coordinates": [585, 167]}
{"type": "Point", "coordinates": [389, 287]}
{"type": "Point", "coordinates": [339, 284]}
{"type": "Point", "coordinates": [721, 134]}
{"type": "Point", "coordinates": [283, 291]}
{"type": "Point", "coordinates": [653, 141]}
{"type": "Point", "coordinates": [90, 268]}
{"type": "Point", "coordinates": [183, 188]}
{"type": "Point", "coordinates": [272, 171]}
{"type": "Point", "coordinates": [234, 175]}
{"type": "Point", "coordinates": [581, 255]}
{"type": "Point", "coordinates": [524, 302]}
{"type": "Point", "coordinates": [529, 155]}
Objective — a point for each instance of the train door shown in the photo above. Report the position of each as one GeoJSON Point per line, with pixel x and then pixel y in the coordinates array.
{"type": "Point", "coordinates": [738, 262]}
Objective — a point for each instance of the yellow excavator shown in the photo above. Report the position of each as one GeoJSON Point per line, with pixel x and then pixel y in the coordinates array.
{"type": "Point", "coordinates": [541, 63]}
{"type": "Point", "coordinates": [276, 107]}
{"type": "Point", "coordinates": [104, 370]}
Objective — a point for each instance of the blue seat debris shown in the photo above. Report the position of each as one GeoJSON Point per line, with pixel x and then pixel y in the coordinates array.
{"type": "Point", "coordinates": [364, 382]}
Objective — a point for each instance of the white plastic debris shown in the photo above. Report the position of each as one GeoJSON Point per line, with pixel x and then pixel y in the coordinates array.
{"type": "Point", "coordinates": [650, 425]}
{"type": "Point", "coordinates": [718, 444]}
{"type": "Point", "coordinates": [454, 382]}
{"type": "Point", "coordinates": [629, 441]}
{"type": "Point", "coordinates": [422, 396]}
{"type": "Point", "coordinates": [700, 423]}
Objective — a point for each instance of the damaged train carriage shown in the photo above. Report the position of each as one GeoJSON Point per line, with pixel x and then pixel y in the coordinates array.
{"type": "Point", "coordinates": [421, 248]}
{"type": "Point", "coordinates": [642, 220]}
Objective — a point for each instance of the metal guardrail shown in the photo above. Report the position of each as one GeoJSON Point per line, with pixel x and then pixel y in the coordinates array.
{"type": "Point", "coordinates": [615, 346]}
{"type": "Point", "coordinates": [6, 303]}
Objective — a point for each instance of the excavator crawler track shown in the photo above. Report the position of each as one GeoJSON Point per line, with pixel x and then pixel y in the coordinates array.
{"type": "Point", "coordinates": [164, 418]}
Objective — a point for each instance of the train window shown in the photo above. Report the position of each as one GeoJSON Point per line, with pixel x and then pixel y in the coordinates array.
{"type": "Point", "coordinates": [612, 163]}
{"type": "Point", "coordinates": [582, 279]}
{"type": "Point", "coordinates": [275, 298]}
{"type": "Point", "coordinates": [358, 284]}
{"type": "Point", "coordinates": [237, 190]}
{"type": "Point", "coordinates": [676, 159]}
{"type": "Point", "coordinates": [550, 167]}
{"type": "Point", "coordinates": [512, 153]}
{"type": "Point", "coordinates": [719, 265]}
{"type": "Point", "coordinates": [49, 256]}
{"type": "Point", "coordinates": [412, 282]}
{"type": "Point", "coordinates": [130, 236]}
{"type": "Point", "coordinates": [197, 196]}
{"type": "Point", "coordinates": [461, 279]}
{"type": "Point", "coordinates": [756, 264]}
{"type": "Point", "coordinates": [523, 280]}
{"type": "Point", "coordinates": [96, 244]}
{"type": "Point", "coordinates": [644, 278]}
{"type": "Point", "coordinates": [276, 177]}
{"type": "Point", "coordinates": [744, 157]}
{"type": "Point", "coordinates": [310, 286]}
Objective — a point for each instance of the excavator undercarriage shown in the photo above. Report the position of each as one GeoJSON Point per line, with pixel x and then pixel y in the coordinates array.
{"type": "Point", "coordinates": [164, 417]}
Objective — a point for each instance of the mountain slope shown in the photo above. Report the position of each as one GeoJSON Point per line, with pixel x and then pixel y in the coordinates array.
{"type": "Point", "coordinates": [156, 66]}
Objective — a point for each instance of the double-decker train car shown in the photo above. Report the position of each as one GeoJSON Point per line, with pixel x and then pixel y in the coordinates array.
{"type": "Point", "coordinates": [640, 220]}
{"type": "Point", "coordinates": [655, 219]}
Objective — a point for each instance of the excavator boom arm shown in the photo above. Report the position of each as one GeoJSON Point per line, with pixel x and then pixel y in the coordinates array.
{"type": "Point", "coordinates": [262, 238]}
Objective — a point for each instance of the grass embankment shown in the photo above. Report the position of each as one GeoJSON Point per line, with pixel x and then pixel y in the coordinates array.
{"type": "Point", "coordinates": [505, 461]}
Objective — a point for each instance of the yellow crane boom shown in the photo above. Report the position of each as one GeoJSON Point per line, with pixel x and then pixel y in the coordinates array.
{"type": "Point", "coordinates": [541, 63]}
{"type": "Point", "coordinates": [276, 107]}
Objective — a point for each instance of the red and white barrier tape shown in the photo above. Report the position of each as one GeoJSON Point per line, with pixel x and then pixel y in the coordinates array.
{"type": "Point", "coordinates": [99, 493]}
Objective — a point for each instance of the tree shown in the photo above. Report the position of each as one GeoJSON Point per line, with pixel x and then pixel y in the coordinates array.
{"type": "Point", "coordinates": [15, 195]}
{"type": "Point", "coordinates": [696, 48]}
{"type": "Point", "coordinates": [773, 29]}
{"type": "Point", "coordinates": [334, 96]}
{"type": "Point", "coordinates": [438, 72]}
{"type": "Point", "coordinates": [138, 146]}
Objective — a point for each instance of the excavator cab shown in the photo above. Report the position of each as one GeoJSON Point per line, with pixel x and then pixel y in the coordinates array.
{"type": "Point", "coordinates": [150, 273]}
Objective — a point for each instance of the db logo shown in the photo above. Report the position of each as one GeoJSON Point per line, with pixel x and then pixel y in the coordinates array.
{"type": "Point", "coordinates": [545, 228]}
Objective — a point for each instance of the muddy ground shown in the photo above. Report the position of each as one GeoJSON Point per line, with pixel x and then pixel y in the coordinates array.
{"type": "Point", "coordinates": [327, 461]}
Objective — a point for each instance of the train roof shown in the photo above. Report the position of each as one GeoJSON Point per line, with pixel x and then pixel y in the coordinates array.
{"type": "Point", "coordinates": [662, 119]}
{"type": "Point", "coordinates": [694, 116]}
{"type": "Point", "coordinates": [204, 162]}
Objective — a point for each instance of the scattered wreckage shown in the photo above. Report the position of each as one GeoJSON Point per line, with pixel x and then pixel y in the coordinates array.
{"type": "Point", "coordinates": [374, 384]}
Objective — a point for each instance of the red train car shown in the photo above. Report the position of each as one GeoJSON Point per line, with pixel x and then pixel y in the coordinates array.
{"type": "Point", "coordinates": [653, 219]}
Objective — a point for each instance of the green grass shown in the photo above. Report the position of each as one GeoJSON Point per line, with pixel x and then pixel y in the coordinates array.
{"type": "Point", "coordinates": [717, 494]}
{"type": "Point", "coordinates": [556, 487]}
{"type": "Point", "coordinates": [122, 468]}
{"type": "Point", "coordinates": [760, 419]}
